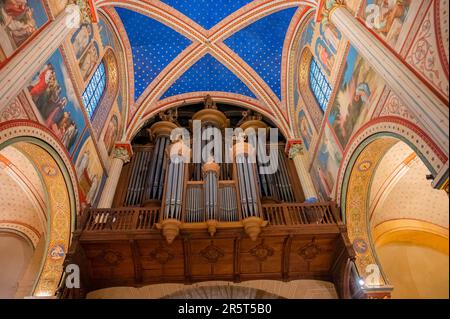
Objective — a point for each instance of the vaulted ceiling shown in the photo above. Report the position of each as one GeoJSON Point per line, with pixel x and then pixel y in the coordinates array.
{"type": "Point", "coordinates": [232, 48]}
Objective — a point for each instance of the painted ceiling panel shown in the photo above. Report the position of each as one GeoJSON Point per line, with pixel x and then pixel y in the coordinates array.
{"type": "Point", "coordinates": [153, 44]}
{"type": "Point", "coordinates": [261, 46]}
{"type": "Point", "coordinates": [207, 13]}
{"type": "Point", "coordinates": [208, 74]}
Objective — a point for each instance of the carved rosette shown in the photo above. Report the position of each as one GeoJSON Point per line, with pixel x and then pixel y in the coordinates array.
{"type": "Point", "coordinates": [212, 253]}
{"type": "Point", "coordinates": [310, 251]}
{"type": "Point", "coordinates": [162, 255]}
{"type": "Point", "coordinates": [261, 252]}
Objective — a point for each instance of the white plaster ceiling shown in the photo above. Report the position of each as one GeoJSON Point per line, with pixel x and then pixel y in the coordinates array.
{"type": "Point", "coordinates": [400, 190]}
{"type": "Point", "coordinates": [22, 195]}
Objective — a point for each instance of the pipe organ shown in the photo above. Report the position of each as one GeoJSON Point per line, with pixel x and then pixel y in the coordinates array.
{"type": "Point", "coordinates": [206, 188]}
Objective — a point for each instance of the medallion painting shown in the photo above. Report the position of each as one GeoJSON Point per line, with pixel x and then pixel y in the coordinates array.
{"type": "Point", "coordinates": [89, 172]}
{"type": "Point", "coordinates": [387, 18]}
{"type": "Point", "coordinates": [53, 94]}
{"type": "Point", "coordinates": [358, 91]}
{"type": "Point", "coordinates": [19, 20]}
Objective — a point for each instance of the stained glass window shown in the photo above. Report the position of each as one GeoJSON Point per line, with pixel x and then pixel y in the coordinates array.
{"type": "Point", "coordinates": [319, 85]}
{"type": "Point", "coordinates": [94, 90]}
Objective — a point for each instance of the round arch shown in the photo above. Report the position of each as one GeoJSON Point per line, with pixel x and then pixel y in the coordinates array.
{"type": "Point", "coordinates": [58, 176]}
{"type": "Point", "coordinates": [198, 97]}
{"type": "Point", "coordinates": [361, 158]}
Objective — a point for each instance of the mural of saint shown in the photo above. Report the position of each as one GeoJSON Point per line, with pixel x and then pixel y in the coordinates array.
{"type": "Point", "coordinates": [81, 39]}
{"type": "Point", "coordinates": [358, 91]}
{"type": "Point", "coordinates": [89, 173]}
{"type": "Point", "coordinates": [305, 129]}
{"type": "Point", "coordinates": [328, 160]}
{"type": "Point", "coordinates": [111, 134]}
{"type": "Point", "coordinates": [89, 60]}
{"type": "Point", "coordinates": [19, 19]}
{"type": "Point", "coordinates": [52, 93]}
{"type": "Point", "coordinates": [325, 56]}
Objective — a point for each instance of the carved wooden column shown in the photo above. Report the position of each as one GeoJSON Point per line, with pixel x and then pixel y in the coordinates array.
{"type": "Point", "coordinates": [19, 71]}
{"type": "Point", "coordinates": [121, 155]}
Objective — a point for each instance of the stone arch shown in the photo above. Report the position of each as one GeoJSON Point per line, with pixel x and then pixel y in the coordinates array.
{"type": "Point", "coordinates": [361, 158]}
{"type": "Point", "coordinates": [59, 179]}
{"type": "Point", "coordinates": [198, 97]}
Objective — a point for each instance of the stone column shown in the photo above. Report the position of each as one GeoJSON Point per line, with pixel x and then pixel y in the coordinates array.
{"type": "Point", "coordinates": [429, 109]}
{"type": "Point", "coordinates": [297, 155]}
{"type": "Point", "coordinates": [19, 71]}
{"type": "Point", "coordinates": [121, 155]}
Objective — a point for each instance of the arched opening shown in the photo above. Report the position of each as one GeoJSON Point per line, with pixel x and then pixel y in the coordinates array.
{"type": "Point", "coordinates": [409, 225]}
{"type": "Point", "coordinates": [252, 289]}
{"type": "Point", "coordinates": [38, 205]}
{"type": "Point", "coordinates": [397, 222]}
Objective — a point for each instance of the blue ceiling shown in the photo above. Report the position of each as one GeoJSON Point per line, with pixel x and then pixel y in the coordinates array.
{"type": "Point", "coordinates": [153, 44]}
{"type": "Point", "coordinates": [261, 46]}
{"type": "Point", "coordinates": [208, 74]}
{"type": "Point", "coordinates": [207, 13]}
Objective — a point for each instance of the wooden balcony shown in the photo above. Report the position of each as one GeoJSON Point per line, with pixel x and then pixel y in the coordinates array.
{"type": "Point", "coordinates": [125, 247]}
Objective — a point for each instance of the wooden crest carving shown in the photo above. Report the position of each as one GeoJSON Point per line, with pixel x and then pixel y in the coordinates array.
{"type": "Point", "coordinates": [111, 257]}
{"type": "Point", "coordinates": [162, 255]}
{"type": "Point", "coordinates": [261, 252]}
{"type": "Point", "coordinates": [212, 253]}
{"type": "Point", "coordinates": [310, 250]}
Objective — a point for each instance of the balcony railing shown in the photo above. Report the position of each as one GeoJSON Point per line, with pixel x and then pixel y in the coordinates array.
{"type": "Point", "coordinates": [144, 219]}
{"type": "Point", "coordinates": [120, 219]}
{"type": "Point", "coordinates": [292, 214]}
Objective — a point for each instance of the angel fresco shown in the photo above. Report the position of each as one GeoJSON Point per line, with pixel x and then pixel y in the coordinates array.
{"type": "Point", "coordinates": [89, 60]}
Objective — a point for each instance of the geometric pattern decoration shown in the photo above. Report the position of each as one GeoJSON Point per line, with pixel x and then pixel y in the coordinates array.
{"type": "Point", "coordinates": [208, 74]}
{"type": "Point", "coordinates": [263, 50]}
{"type": "Point", "coordinates": [207, 13]}
{"type": "Point", "coordinates": [153, 45]}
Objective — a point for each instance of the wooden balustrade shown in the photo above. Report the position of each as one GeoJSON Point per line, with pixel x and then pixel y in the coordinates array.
{"type": "Point", "coordinates": [143, 218]}
{"type": "Point", "coordinates": [121, 219]}
{"type": "Point", "coordinates": [292, 214]}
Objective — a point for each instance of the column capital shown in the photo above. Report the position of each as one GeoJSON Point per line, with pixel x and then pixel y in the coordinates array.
{"type": "Point", "coordinates": [294, 147]}
{"type": "Point", "coordinates": [326, 9]}
{"type": "Point", "coordinates": [123, 151]}
{"type": "Point", "coordinates": [88, 14]}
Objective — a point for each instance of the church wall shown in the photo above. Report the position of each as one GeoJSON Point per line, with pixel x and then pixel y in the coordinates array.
{"type": "Point", "coordinates": [326, 135]}
{"type": "Point", "coordinates": [53, 96]}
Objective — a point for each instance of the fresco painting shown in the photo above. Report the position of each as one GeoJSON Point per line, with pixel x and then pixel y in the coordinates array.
{"type": "Point", "coordinates": [305, 129]}
{"type": "Point", "coordinates": [111, 133]}
{"type": "Point", "coordinates": [53, 94]}
{"type": "Point", "coordinates": [19, 20]}
{"type": "Point", "coordinates": [387, 18]}
{"type": "Point", "coordinates": [327, 161]}
{"type": "Point", "coordinates": [359, 90]}
{"type": "Point", "coordinates": [89, 60]}
{"type": "Point", "coordinates": [81, 39]}
{"type": "Point", "coordinates": [89, 172]}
